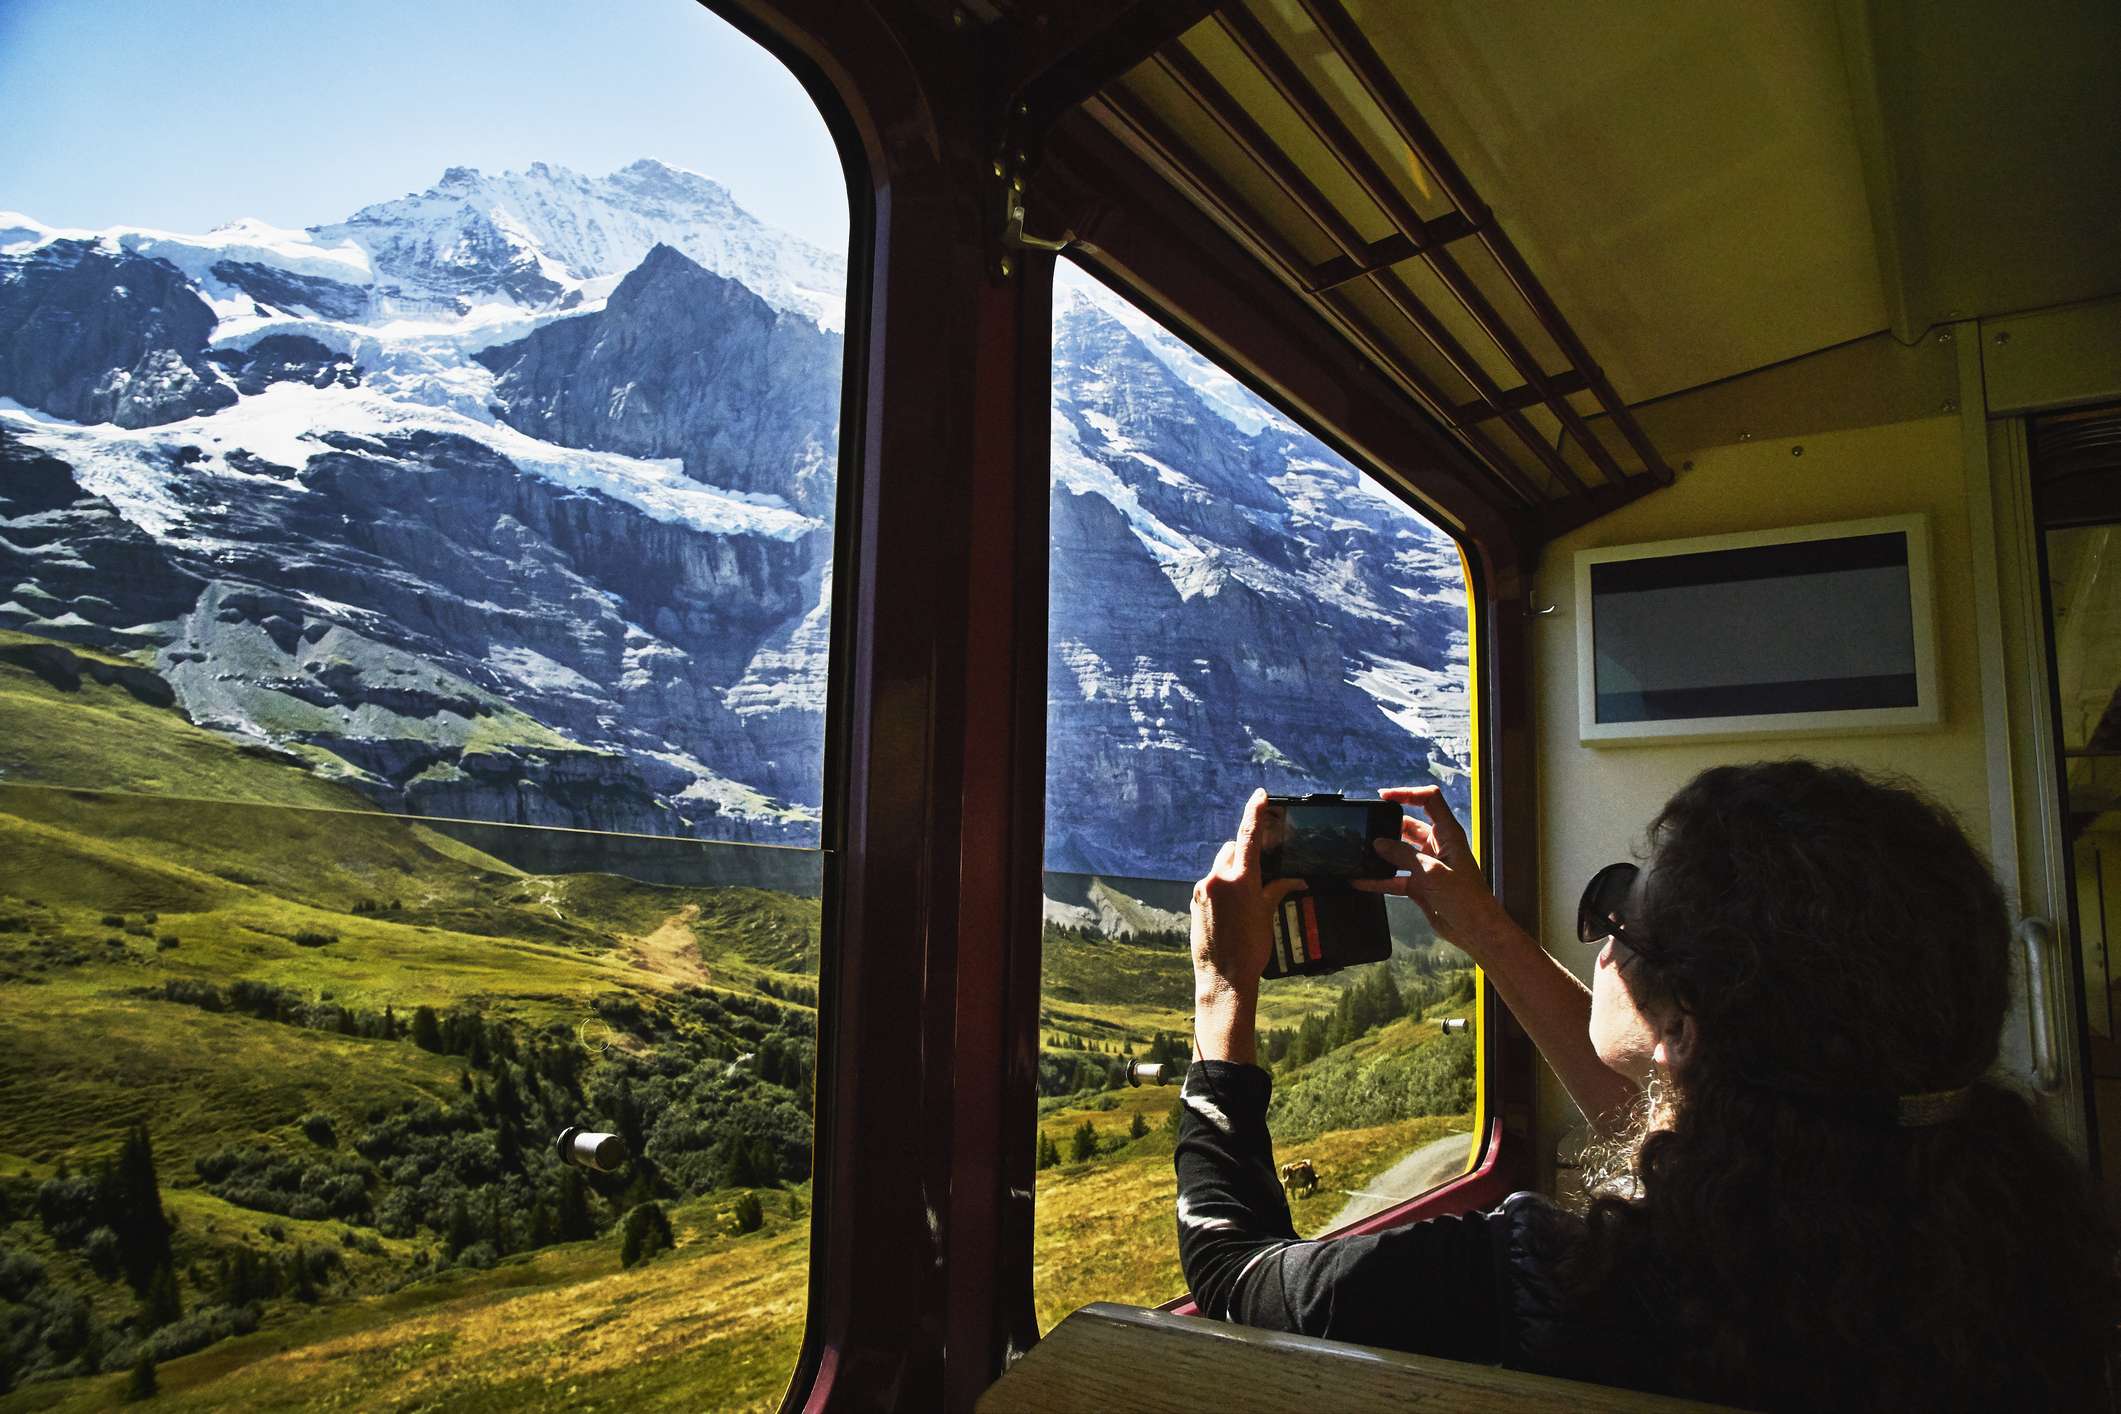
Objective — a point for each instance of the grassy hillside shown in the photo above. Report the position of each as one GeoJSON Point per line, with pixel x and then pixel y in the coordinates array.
{"type": "Point", "coordinates": [349, 1037]}
{"type": "Point", "coordinates": [567, 1326]}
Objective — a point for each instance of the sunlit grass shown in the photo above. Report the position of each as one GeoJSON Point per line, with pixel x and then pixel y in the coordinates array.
{"type": "Point", "coordinates": [410, 916]}
{"type": "Point", "coordinates": [714, 1324]}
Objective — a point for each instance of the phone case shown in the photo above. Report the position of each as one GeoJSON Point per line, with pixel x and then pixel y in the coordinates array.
{"type": "Point", "coordinates": [1318, 933]}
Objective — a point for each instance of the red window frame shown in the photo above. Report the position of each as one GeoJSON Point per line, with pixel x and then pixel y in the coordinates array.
{"type": "Point", "coordinates": [920, 1279]}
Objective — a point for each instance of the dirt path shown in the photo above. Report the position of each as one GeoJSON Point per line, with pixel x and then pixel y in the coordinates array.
{"type": "Point", "coordinates": [672, 951]}
{"type": "Point", "coordinates": [1418, 1172]}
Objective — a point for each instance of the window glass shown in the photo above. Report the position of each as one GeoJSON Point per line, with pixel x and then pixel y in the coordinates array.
{"type": "Point", "coordinates": [417, 462]}
{"type": "Point", "coordinates": [1233, 605]}
{"type": "Point", "coordinates": [2084, 625]}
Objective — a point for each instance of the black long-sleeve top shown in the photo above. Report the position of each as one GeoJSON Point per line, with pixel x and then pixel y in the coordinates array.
{"type": "Point", "coordinates": [1432, 1287]}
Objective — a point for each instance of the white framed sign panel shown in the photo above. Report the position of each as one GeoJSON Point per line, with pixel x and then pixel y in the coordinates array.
{"type": "Point", "coordinates": [1807, 631]}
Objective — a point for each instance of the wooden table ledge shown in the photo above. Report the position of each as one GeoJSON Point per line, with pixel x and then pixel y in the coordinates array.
{"type": "Point", "coordinates": [1109, 1357]}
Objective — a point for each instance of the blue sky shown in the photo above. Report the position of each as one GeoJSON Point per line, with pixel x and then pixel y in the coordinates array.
{"type": "Point", "coordinates": [184, 114]}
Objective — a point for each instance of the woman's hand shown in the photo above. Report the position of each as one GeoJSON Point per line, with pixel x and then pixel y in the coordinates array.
{"type": "Point", "coordinates": [1444, 878]}
{"type": "Point", "coordinates": [1442, 875]}
{"type": "Point", "coordinates": [1233, 935]}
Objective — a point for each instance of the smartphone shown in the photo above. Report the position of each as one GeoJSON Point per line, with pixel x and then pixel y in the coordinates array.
{"type": "Point", "coordinates": [1319, 933]}
{"type": "Point", "coordinates": [1325, 839]}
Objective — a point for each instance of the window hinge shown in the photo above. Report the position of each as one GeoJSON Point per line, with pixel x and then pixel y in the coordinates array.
{"type": "Point", "coordinates": [1013, 233]}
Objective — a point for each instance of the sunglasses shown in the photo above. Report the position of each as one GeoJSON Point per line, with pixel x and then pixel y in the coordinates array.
{"type": "Point", "coordinates": [1602, 913]}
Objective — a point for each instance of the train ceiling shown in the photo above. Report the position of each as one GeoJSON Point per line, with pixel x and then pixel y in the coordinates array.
{"type": "Point", "coordinates": [1532, 217]}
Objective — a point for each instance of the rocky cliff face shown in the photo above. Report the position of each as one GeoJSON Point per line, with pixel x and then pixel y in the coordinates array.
{"type": "Point", "coordinates": [684, 363]}
{"type": "Point", "coordinates": [561, 555]}
{"type": "Point", "coordinates": [97, 336]}
{"type": "Point", "coordinates": [1229, 609]}
{"type": "Point", "coordinates": [457, 638]}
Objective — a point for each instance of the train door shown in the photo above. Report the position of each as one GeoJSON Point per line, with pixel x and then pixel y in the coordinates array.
{"type": "Point", "coordinates": [2074, 461]}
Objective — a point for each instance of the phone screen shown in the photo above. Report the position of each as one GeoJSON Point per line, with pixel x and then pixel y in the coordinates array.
{"type": "Point", "coordinates": [1327, 840]}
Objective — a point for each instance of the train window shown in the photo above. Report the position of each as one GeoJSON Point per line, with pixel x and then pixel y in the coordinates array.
{"type": "Point", "coordinates": [1232, 605]}
{"type": "Point", "coordinates": [2084, 564]}
{"type": "Point", "coordinates": [414, 595]}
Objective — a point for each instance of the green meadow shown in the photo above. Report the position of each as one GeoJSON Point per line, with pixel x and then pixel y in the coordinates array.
{"type": "Point", "coordinates": [332, 1047]}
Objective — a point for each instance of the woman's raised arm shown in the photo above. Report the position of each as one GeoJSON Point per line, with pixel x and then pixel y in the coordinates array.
{"type": "Point", "coordinates": [1444, 879]}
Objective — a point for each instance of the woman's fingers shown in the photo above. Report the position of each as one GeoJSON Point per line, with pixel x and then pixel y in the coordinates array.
{"type": "Point", "coordinates": [1248, 831]}
{"type": "Point", "coordinates": [1400, 854]}
{"type": "Point", "coordinates": [1418, 833]}
{"type": "Point", "coordinates": [1429, 800]}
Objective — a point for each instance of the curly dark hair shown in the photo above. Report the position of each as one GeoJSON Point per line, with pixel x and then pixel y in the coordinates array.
{"type": "Point", "coordinates": [1839, 942]}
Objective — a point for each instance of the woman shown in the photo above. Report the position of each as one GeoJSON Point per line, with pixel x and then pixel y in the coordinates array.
{"type": "Point", "coordinates": [1821, 1200]}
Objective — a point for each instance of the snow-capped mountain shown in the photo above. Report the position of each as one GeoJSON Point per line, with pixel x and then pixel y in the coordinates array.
{"type": "Point", "coordinates": [544, 239]}
{"type": "Point", "coordinates": [550, 232]}
{"type": "Point", "coordinates": [511, 500]}
{"type": "Point", "coordinates": [1232, 605]}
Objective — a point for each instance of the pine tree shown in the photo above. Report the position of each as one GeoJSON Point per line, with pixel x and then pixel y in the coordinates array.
{"type": "Point", "coordinates": [143, 1385]}
{"type": "Point", "coordinates": [1084, 1144]}
{"type": "Point", "coordinates": [1139, 1127]}
{"type": "Point", "coordinates": [426, 1030]}
{"type": "Point", "coordinates": [1392, 1004]}
{"type": "Point", "coordinates": [160, 1304]}
{"type": "Point", "coordinates": [304, 1284]}
{"type": "Point", "coordinates": [135, 1210]}
{"type": "Point", "coordinates": [1048, 1151]}
{"type": "Point", "coordinates": [646, 1232]}
{"type": "Point", "coordinates": [242, 1279]}
{"type": "Point", "coordinates": [460, 1233]}
{"type": "Point", "coordinates": [629, 1120]}
{"type": "Point", "coordinates": [573, 1220]}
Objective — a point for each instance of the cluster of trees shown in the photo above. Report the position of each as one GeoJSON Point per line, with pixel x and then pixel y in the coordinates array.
{"type": "Point", "coordinates": [719, 1096]}
{"type": "Point", "coordinates": [1161, 939]}
{"type": "Point", "coordinates": [1062, 1073]}
{"type": "Point", "coordinates": [1070, 1075]}
{"type": "Point", "coordinates": [1084, 1142]}
{"type": "Point", "coordinates": [285, 1006]}
{"type": "Point", "coordinates": [1346, 1090]}
{"type": "Point", "coordinates": [243, 1277]}
{"type": "Point", "coordinates": [113, 1218]}
{"type": "Point", "coordinates": [729, 1091]}
{"type": "Point", "coordinates": [115, 1215]}
{"type": "Point", "coordinates": [252, 1176]}
{"type": "Point", "coordinates": [1376, 999]}
{"type": "Point", "coordinates": [798, 992]}
{"type": "Point", "coordinates": [477, 1172]}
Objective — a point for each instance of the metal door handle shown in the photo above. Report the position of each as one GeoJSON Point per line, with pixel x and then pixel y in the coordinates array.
{"type": "Point", "coordinates": [2038, 935]}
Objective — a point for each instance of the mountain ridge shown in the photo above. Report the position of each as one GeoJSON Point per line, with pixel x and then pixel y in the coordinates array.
{"type": "Point", "coordinates": [499, 509]}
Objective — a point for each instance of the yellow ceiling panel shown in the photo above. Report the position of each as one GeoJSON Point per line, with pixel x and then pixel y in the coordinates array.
{"type": "Point", "coordinates": [1684, 178]}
